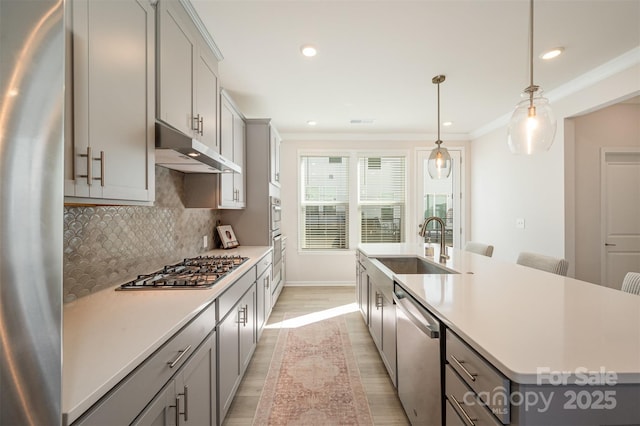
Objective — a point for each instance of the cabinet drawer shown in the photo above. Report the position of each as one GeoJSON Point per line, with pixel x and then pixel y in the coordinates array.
{"type": "Point", "coordinates": [481, 376]}
{"type": "Point", "coordinates": [125, 401]}
{"type": "Point", "coordinates": [463, 405]}
{"type": "Point", "coordinates": [264, 263]}
{"type": "Point", "coordinates": [231, 296]}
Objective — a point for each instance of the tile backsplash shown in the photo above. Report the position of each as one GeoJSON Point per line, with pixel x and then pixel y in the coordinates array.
{"type": "Point", "coordinates": [108, 245]}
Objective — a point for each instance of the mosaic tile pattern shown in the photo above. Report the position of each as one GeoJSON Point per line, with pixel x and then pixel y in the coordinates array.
{"type": "Point", "coordinates": [107, 246]}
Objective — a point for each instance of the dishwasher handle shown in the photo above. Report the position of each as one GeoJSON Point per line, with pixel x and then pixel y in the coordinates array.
{"type": "Point", "coordinates": [425, 322]}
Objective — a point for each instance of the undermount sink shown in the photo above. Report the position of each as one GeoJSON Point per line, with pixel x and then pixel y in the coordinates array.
{"type": "Point", "coordinates": [412, 265]}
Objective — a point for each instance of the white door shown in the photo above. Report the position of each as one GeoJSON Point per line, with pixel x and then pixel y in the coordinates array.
{"type": "Point", "coordinates": [442, 198]}
{"type": "Point", "coordinates": [620, 208]}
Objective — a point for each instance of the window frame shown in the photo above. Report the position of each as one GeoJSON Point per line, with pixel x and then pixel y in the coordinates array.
{"type": "Point", "coordinates": [353, 237]}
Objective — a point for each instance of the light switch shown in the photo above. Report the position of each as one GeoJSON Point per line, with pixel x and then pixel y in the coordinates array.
{"type": "Point", "coordinates": [520, 223]}
{"type": "Point", "coordinates": [205, 241]}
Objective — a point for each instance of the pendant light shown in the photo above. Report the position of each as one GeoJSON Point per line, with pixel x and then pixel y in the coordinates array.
{"type": "Point", "coordinates": [532, 126]}
{"type": "Point", "coordinates": [439, 163]}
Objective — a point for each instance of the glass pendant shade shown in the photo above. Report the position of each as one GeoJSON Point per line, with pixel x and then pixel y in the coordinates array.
{"type": "Point", "coordinates": [532, 127]}
{"type": "Point", "coordinates": [439, 163]}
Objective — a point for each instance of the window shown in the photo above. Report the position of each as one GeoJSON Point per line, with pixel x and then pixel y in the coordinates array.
{"type": "Point", "coordinates": [324, 218]}
{"type": "Point", "coordinates": [368, 191]}
{"type": "Point", "coordinates": [381, 201]}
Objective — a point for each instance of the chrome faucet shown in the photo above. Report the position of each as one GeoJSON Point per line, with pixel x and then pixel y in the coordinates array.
{"type": "Point", "coordinates": [423, 232]}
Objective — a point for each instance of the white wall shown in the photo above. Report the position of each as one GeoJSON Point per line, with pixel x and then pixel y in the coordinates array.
{"type": "Point", "coordinates": [614, 126]}
{"type": "Point", "coordinates": [336, 268]}
{"type": "Point", "coordinates": [505, 187]}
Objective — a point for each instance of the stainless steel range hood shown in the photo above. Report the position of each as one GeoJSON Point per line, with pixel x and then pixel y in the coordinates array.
{"type": "Point", "coordinates": [177, 151]}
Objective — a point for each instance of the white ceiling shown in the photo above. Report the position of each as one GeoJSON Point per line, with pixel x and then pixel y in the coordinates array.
{"type": "Point", "coordinates": [376, 59]}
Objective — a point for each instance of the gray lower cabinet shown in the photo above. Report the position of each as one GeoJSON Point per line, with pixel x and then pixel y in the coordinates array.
{"type": "Point", "coordinates": [185, 360]}
{"type": "Point", "coordinates": [236, 343]}
{"type": "Point", "coordinates": [263, 287]}
{"type": "Point", "coordinates": [189, 399]}
{"type": "Point", "coordinates": [381, 312]}
{"type": "Point", "coordinates": [475, 391]}
{"type": "Point", "coordinates": [362, 291]}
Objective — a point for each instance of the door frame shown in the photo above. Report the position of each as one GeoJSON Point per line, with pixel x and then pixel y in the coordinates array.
{"type": "Point", "coordinates": [459, 188]}
{"type": "Point", "coordinates": [603, 210]}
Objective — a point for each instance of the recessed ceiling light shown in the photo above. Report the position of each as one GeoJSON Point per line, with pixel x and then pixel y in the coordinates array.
{"type": "Point", "coordinates": [447, 123]}
{"type": "Point", "coordinates": [312, 122]}
{"type": "Point", "coordinates": [552, 53]}
{"type": "Point", "coordinates": [308, 50]}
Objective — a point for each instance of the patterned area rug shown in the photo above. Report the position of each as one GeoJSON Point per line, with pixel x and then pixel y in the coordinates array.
{"type": "Point", "coordinates": [313, 379]}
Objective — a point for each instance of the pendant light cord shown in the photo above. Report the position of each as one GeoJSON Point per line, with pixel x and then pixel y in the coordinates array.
{"type": "Point", "coordinates": [439, 114]}
{"type": "Point", "coordinates": [531, 43]}
{"type": "Point", "coordinates": [437, 80]}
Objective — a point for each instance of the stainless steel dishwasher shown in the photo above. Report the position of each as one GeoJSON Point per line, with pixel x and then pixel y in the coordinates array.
{"type": "Point", "coordinates": [419, 370]}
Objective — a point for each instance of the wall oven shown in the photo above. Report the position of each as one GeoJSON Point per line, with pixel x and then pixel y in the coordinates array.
{"type": "Point", "coordinates": [276, 210]}
{"type": "Point", "coordinates": [276, 239]}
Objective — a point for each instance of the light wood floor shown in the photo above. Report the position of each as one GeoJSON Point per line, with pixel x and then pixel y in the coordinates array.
{"type": "Point", "coordinates": [383, 401]}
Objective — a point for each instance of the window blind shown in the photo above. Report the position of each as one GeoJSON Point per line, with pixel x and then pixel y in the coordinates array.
{"type": "Point", "coordinates": [381, 200]}
{"type": "Point", "coordinates": [324, 216]}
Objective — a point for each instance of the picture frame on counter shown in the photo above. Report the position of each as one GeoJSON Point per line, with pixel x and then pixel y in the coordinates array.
{"type": "Point", "coordinates": [227, 236]}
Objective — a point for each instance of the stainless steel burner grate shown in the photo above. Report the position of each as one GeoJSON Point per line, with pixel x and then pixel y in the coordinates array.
{"type": "Point", "coordinates": [200, 272]}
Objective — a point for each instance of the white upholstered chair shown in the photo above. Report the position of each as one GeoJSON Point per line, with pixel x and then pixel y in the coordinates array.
{"type": "Point", "coordinates": [631, 283]}
{"type": "Point", "coordinates": [480, 248]}
{"type": "Point", "coordinates": [544, 263]}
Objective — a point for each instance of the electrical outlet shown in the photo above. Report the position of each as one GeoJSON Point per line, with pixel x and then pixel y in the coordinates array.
{"type": "Point", "coordinates": [520, 223]}
{"type": "Point", "coordinates": [205, 241]}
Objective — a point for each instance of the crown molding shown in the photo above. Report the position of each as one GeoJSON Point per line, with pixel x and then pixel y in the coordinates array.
{"type": "Point", "coordinates": [614, 66]}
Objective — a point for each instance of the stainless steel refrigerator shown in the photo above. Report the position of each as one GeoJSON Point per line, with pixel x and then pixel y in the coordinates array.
{"type": "Point", "coordinates": [32, 61]}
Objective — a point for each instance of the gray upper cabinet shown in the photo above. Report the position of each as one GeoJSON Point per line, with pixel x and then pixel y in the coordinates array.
{"type": "Point", "coordinates": [232, 143]}
{"type": "Point", "coordinates": [187, 76]}
{"type": "Point", "coordinates": [109, 135]}
{"type": "Point", "coordinates": [274, 147]}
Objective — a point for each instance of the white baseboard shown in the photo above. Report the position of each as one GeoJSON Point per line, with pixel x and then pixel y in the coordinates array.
{"type": "Point", "coordinates": [320, 284]}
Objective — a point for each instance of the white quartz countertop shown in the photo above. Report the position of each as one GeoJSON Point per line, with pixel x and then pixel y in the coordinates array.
{"type": "Point", "coordinates": [107, 334]}
{"type": "Point", "coordinates": [526, 321]}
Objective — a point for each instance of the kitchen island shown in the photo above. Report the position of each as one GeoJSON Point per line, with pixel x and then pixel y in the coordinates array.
{"type": "Point", "coordinates": [109, 334]}
{"type": "Point", "coordinates": [556, 337]}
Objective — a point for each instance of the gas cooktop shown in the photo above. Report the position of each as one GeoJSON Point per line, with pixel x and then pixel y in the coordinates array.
{"type": "Point", "coordinates": [200, 272]}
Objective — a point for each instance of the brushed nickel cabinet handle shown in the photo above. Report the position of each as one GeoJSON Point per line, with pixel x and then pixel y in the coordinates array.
{"type": "Point", "coordinates": [177, 406]}
{"type": "Point", "coordinates": [102, 165]}
{"type": "Point", "coordinates": [472, 376]}
{"type": "Point", "coordinates": [89, 158]}
{"type": "Point", "coordinates": [467, 419]}
{"type": "Point", "coordinates": [185, 393]}
{"type": "Point", "coordinates": [241, 316]}
{"type": "Point", "coordinates": [181, 354]}
{"type": "Point", "coordinates": [201, 126]}
{"type": "Point", "coordinates": [196, 123]}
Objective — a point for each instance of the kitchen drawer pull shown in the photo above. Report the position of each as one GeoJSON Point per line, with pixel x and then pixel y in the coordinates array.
{"type": "Point", "coordinates": [459, 408]}
{"type": "Point", "coordinates": [472, 376]}
{"type": "Point", "coordinates": [181, 354]}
